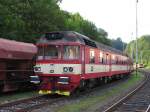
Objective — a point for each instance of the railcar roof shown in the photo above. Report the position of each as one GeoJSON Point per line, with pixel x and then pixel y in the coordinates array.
{"type": "Point", "coordinates": [71, 36]}
{"type": "Point", "coordinates": [10, 49]}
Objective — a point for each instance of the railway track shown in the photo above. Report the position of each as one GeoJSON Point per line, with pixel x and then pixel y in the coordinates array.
{"type": "Point", "coordinates": [40, 101]}
{"type": "Point", "coordinates": [29, 104]}
{"type": "Point", "coordinates": [136, 101]}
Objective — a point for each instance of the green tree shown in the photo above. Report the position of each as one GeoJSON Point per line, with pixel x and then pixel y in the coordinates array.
{"type": "Point", "coordinates": [143, 49]}
{"type": "Point", "coordinates": [118, 44]}
{"type": "Point", "coordinates": [24, 20]}
{"type": "Point", "coordinates": [77, 23]}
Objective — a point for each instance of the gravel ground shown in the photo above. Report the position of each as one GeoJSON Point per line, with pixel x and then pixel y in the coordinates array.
{"type": "Point", "coordinates": [86, 100]}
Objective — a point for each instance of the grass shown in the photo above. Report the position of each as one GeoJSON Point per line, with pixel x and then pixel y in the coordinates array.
{"type": "Point", "coordinates": [91, 101]}
{"type": "Point", "coordinates": [147, 67]}
{"type": "Point", "coordinates": [16, 96]}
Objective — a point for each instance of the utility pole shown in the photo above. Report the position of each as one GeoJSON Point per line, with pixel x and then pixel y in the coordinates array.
{"type": "Point", "coordinates": [132, 47]}
{"type": "Point", "coordinates": [136, 35]}
{"type": "Point", "coordinates": [141, 55]}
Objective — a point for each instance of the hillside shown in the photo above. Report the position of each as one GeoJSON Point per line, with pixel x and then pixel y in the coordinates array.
{"type": "Point", "coordinates": [26, 20]}
{"type": "Point", "coordinates": [118, 44]}
{"type": "Point", "coordinates": [143, 49]}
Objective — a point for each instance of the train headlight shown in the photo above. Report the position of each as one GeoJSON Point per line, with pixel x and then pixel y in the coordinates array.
{"type": "Point", "coordinates": [35, 79]}
{"type": "Point", "coordinates": [37, 69]}
{"type": "Point", "coordinates": [65, 69]}
{"type": "Point", "coordinates": [63, 80]}
{"type": "Point", "coordinates": [68, 69]}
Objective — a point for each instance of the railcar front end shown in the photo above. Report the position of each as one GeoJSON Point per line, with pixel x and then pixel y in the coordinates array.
{"type": "Point", "coordinates": [58, 67]}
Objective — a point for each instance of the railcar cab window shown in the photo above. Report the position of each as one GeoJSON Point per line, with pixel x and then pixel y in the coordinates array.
{"type": "Point", "coordinates": [52, 52]}
{"type": "Point", "coordinates": [71, 52]}
{"type": "Point", "coordinates": [92, 56]}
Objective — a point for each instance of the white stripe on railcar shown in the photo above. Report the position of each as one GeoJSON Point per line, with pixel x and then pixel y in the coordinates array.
{"type": "Point", "coordinates": [119, 67]}
{"type": "Point", "coordinates": [58, 68]}
{"type": "Point", "coordinates": [92, 68]}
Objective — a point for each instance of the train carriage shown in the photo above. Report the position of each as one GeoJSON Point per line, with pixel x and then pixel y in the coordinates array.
{"type": "Point", "coordinates": [16, 64]}
{"type": "Point", "coordinates": [67, 61]}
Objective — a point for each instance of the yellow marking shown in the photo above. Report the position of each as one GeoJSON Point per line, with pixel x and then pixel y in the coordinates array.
{"type": "Point", "coordinates": [45, 92]}
{"type": "Point", "coordinates": [66, 93]}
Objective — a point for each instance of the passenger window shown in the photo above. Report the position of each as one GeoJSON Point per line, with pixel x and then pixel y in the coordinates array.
{"type": "Point", "coordinates": [107, 58]}
{"type": "Point", "coordinates": [113, 60]}
{"type": "Point", "coordinates": [92, 56]}
{"type": "Point", "coordinates": [101, 57]}
{"type": "Point", "coordinates": [104, 59]}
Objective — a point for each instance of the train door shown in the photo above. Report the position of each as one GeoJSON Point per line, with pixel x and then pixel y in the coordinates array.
{"type": "Point", "coordinates": [108, 58]}
{"type": "Point", "coordinates": [104, 61]}
{"type": "Point", "coordinates": [101, 61]}
{"type": "Point", "coordinates": [82, 52]}
{"type": "Point", "coordinates": [89, 60]}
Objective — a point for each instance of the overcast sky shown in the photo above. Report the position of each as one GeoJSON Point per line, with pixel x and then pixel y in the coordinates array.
{"type": "Point", "coordinates": [117, 17]}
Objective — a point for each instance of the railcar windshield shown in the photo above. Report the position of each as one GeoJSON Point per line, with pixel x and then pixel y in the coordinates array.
{"type": "Point", "coordinates": [71, 52]}
{"type": "Point", "coordinates": [52, 52]}
{"type": "Point", "coordinates": [49, 52]}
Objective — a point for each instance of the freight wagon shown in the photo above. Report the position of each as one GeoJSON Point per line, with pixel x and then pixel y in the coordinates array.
{"type": "Point", "coordinates": [16, 63]}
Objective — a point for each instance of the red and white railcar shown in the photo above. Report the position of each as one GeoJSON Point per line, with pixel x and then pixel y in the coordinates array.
{"type": "Point", "coordinates": [68, 60]}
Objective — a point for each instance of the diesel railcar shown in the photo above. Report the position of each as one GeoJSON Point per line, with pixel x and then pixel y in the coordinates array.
{"type": "Point", "coordinates": [16, 63]}
{"type": "Point", "coordinates": [67, 61]}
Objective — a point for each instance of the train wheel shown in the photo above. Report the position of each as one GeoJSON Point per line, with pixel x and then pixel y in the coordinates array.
{"type": "Point", "coordinates": [82, 84]}
{"type": "Point", "coordinates": [75, 93]}
{"type": "Point", "coordinates": [98, 81]}
{"type": "Point", "coordinates": [105, 80]}
{"type": "Point", "coordinates": [121, 76]}
{"type": "Point", "coordinates": [91, 83]}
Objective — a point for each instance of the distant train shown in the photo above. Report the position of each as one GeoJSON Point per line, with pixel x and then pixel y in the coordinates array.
{"type": "Point", "coordinates": [67, 61]}
{"type": "Point", "coordinates": [16, 64]}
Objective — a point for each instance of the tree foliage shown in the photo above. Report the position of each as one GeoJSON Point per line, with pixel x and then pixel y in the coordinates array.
{"type": "Point", "coordinates": [143, 49]}
{"type": "Point", "coordinates": [24, 20]}
{"type": "Point", "coordinates": [118, 44]}
{"type": "Point", "coordinates": [76, 23]}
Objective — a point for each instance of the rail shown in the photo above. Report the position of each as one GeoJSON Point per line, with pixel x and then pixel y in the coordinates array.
{"type": "Point", "coordinates": [29, 104]}
{"type": "Point", "coordinates": [122, 101]}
